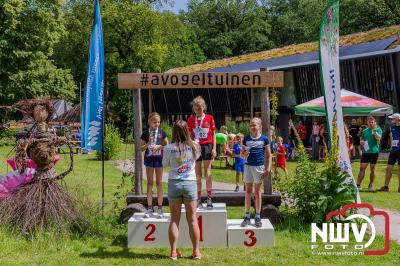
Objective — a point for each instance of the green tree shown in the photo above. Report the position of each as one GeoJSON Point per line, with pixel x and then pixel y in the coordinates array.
{"type": "Point", "coordinates": [363, 15]}
{"type": "Point", "coordinates": [28, 33]}
{"type": "Point", "coordinates": [135, 36]}
{"type": "Point", "coordinates": [297, 21]}
{"type": "Point", "coordinates": [229, 27]}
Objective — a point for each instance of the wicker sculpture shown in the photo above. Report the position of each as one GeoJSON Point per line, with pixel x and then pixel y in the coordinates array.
{"type": "Point", "coordinates": [41, 203]}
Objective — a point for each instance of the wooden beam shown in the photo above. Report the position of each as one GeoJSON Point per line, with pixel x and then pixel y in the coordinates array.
{"type": "Point", "coordinates": [231, 199]}
{"type": "Point", "coordinates": [137, 120]}
{"type": "Point", "coordinates": [252, 103]}
{"type": "Point", "coordinates": [200, 80]}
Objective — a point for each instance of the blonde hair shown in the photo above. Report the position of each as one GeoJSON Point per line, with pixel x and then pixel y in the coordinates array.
{"type": "Point", "coordinates": [153, 115]}
{"type": "Point", "coordinates": [257, 120]}
{"type": "Point", "coordinates": [240, 135]}
{"type": "Point", "coordinates": [279, 138]}
{"type": "Point", "coordinates": [231, 136]}
{"type": "Point", "coordinates": [199, 101]}
{"type": "Point", "coordinates": [223, 128]}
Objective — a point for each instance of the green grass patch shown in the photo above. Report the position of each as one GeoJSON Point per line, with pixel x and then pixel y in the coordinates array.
{"type": "Point", "coordinates": [104, 243]}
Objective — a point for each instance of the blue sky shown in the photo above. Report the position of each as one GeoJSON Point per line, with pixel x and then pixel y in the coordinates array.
{"type": "Point", "coordinates": [178, 5]}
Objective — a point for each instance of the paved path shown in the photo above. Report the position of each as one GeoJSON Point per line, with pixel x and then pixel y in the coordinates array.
{"type": "Point", "coordinates": [394, 220]}
{"type": "Point", "coordinates": [394, 216]}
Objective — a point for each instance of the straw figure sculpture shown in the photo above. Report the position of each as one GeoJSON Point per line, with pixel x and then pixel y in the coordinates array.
{"type": "Point", "coordinates": [42, 203]}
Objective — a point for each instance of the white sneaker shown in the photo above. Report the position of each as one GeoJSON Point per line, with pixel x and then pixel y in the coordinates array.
{"type": "Point", "coordinates": [160, 213]}
{"type": "Point", "coordinates": [370, 188]}
{"type": "Point", "coordinates": [148, 213]}
{"type": "Point", "coordinates": [199, 204]}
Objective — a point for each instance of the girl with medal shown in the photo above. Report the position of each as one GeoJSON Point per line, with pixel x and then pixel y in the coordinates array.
{"type": "Point", "coordinates": [153, 141]}
{"type": "Point", "coordinates": [202, 129]}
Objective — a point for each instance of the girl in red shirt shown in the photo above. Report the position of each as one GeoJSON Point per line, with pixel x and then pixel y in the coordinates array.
{"type": "Point", "coordinates": [202, 129]}
{"type": "Point", "coordinates": [280, 155]}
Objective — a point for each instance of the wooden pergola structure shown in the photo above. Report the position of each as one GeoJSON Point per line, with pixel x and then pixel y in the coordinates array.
{"type": "Point", "coordinates": [138, 81]}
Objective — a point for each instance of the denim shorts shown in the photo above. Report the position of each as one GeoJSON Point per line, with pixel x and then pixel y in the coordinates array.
{"type": "Point", "coordinates": [182, 190]}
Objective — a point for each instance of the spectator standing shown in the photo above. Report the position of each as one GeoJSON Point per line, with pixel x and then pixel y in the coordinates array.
{"type": "Point", "coordinates": [355, 132]}
{"type": "Point", "coordinates": [370, 140]}
{"type": "Point", "coordinates": [314, 140]}
{"type": "Point", "coordinates": [394, 155]}
{"type": "Point", "coordinates": [302, 131]}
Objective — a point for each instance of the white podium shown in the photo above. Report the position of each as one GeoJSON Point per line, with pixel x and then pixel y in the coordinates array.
{"type": "Point", "coordinates": [215, 230]}
{"type": "Point", "coordinates": [250, 236]}
{"type": "Point", "coordinates": [148, 232]}
{"type": "Point", "coordinates": [212, 225]}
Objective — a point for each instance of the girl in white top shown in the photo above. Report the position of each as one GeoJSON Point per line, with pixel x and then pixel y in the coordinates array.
{"type": "Point", "coordinates": [181, 156]}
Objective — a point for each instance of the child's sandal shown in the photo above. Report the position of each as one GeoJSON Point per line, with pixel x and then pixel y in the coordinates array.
{"type": "Point", "coordinates": [196, 255]}
{"type": "Point", "coordinates": [175, 255]}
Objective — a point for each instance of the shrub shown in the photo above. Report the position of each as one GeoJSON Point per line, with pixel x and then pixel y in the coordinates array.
{"type": "Point", "coordinates": [244, 128]}
{"type": "Point", "coordinates": [304, 187]}
{"type": "Point", "coordinates": [8, 137]}
{"type": "Point", "coordinates": [112, 143]}
{"type": "Point", "coordinates": [316, 194]}
{"type": "Point", "coordinates": [231, 127]}
{"type": "Point", "coordinates": [337, 188]}
{"type": "Point", "coordinates": [166, 126]}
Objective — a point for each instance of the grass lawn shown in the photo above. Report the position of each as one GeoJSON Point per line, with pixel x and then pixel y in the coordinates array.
{"type": "Point", "coordinates": [385, 200]}
{"type": "Point", "coordinates": [105, 241]}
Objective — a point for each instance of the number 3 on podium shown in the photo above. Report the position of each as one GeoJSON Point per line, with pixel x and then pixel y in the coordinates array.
{"type": "Point", "coordinates": [252, 238]}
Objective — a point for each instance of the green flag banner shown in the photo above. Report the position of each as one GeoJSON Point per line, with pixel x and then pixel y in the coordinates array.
{"type": "Point", "coordinates": [330, 77]}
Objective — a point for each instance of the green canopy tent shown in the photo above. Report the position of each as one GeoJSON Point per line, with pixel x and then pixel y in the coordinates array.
{"type": "Point", "coordinates": [353, 104]}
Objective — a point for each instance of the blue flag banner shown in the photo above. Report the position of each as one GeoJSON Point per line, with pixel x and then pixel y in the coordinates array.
{"type": "Point", "coordinates": [92, 114]}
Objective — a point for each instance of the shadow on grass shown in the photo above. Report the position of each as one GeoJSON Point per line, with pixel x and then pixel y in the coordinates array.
{"type": "Point", "coordinates": [102, 253]}
{"type": "Point", "coordinates": [120, 241]}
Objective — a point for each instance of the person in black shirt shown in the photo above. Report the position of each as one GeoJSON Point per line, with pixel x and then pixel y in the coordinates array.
{"type": "Point", "coordinates": [153, 141]}
{"type": "Point", "coordinates": [355, 133]}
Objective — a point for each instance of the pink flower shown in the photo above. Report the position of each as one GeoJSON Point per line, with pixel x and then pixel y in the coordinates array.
{"type": "Point", "coordinates": [329, 13]}
{"type": "Point", "coordinates": [328, 30]}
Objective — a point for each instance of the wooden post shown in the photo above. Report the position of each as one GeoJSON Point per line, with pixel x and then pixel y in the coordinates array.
{"type": "Point", "coordinates": [265, 118]}
{"type": "Point", "coordinates": [137, 120]}
{"type": "Point", "coordinates": [251, 103]}
{"type": "Point", "coordinates": [150, 101]}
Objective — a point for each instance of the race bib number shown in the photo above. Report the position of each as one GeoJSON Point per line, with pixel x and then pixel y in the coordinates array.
{"type": "Point", "coordinates": [366, 146]}
{"type": "Point", "coordinates": [395, 143]}
{"type": "Point", "coordinates": [201, 133]}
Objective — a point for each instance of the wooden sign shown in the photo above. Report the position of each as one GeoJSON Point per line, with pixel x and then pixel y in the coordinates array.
{"type": "Point", "coordinates": [262, 79]}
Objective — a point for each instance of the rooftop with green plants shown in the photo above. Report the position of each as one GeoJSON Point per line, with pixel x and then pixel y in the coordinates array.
{"type": "Point", "coordinates": [360, 37]}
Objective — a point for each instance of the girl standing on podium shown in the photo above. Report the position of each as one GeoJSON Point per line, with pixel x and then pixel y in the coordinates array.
{"type": "Point", "coordinates": [256, 150]}
{"type": "Point", "coordinates": [152, 142]}
{"type": "Point", "coordinates": [181, 156]}
{"type": "Point", "coordinates": [202, 129]}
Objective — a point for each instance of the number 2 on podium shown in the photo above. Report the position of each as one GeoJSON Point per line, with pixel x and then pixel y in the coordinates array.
{"type": "Point", "coordinates": [152, 230]}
